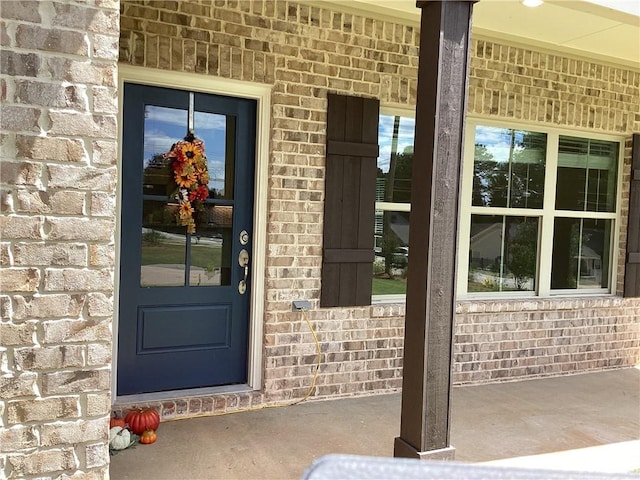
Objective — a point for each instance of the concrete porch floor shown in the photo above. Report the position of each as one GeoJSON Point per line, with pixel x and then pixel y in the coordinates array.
{"type": "Point", "coordinates": [489, 422]}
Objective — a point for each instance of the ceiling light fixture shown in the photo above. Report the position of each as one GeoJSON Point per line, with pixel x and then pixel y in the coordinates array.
{"type": "Point", "coordinates": [532, 3]}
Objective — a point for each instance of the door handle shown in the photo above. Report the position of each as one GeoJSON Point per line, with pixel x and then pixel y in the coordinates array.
{"type": "Point", "coordinates": [243, 261]}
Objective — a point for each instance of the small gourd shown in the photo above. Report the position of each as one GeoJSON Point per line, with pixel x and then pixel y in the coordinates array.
{"type": "Point", "coordinates": [148, 436]}
{"type": "Point", "coordinates": [119, 438]}
{"type": "Point", "coordinates": [117, 421]}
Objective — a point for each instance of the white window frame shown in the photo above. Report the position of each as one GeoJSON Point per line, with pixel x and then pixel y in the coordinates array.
{"type": "Point", "coordinates": [547, 213]}
{"type": "Point", "coordinates": [393, 206]}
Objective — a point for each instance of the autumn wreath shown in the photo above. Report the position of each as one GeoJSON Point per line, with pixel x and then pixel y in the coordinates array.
{"type": "Point", "coordinates": [191, 177]}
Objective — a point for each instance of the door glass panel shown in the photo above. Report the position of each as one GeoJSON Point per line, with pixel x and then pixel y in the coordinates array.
{"type": "Point", "coordinates": [218, 133]}
{"type": "Point", "coordinates": [163, 246]}
{"type": "Point", "coordinates": [210, 256]}
{"type": "Point", "coordinates": [162, 128]}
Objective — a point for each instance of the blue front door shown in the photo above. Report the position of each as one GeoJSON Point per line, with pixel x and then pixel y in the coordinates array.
{"type": "Point", "coordinates": [184, 298]}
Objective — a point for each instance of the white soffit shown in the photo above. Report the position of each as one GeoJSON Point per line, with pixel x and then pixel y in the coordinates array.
{"type": "Point", "coordinates": [600, 29]}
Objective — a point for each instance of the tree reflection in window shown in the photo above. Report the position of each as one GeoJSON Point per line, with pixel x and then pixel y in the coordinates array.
{"type": "Point", "coordinates": [508, 168]}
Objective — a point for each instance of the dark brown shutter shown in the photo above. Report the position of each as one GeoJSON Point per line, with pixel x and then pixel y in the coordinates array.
{"type": "Point", "coordinates": [350, 195]}
{"type": "Point", "coordinates": [632, 266]}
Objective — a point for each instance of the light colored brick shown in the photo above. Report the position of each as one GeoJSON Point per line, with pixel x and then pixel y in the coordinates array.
{"type": "Point", "coordinates": [105, 152]}
{"type": "Point", "coordinates": [68, 123]}
{"type": "Point", "coordinates": [69, 331]}
{"type": "Point", "coordinates": [19, 437]}
{"type": "Point", "coordinates": [98, 404]}
{"type": "Point", "coordinates": [99, 305]}
{"type": "Point", "coordinates": [5, 255]}
{"type": "Point", "coordinates": [97, 455]}
{"type": "Point", "coordinates": [69, 433]}
{"type": "Point", "coordinates": [84, 178]}
{"type": "Point", "coordinates": [102, 255]}
{"type": "Point", "coordinates": [102, 204]}
{"type": "Point", "coordinates": [20, 227]}
{"type": "Point", "coordinates": [77, 280]}
{"type": "Point", "coordinates": [49, 358]}
{"type": "Point", "coordinates": [21, 173]}
{"type": "Point", "coordinates": [98, 354]}
{"type": "Point", "coordinates": [6, 308]}
{"type": "Point", "coordinates": [31, 202]}
{"type": "Point", "coordinates": [49, 306]}
{"type": "Point", "coordinates": [79, 229]}
{"type": "Point", "coordinates": [57, 383]}
{"type": "Point", "coordinates": [67, 202]}
{"type": "Point", "coordinates": [67, 254]}
{"type": "Point", "coordinates": [19, 119]}
{"type": "Point", "coordinates": [20, 385]}
{"type": "Point", "coordinates": [51, 95]}
{"type": "Point", "coordinates": [42, 410]}
{"type": "Point", "coordinates": [42, 462]}
{"type": "Point", "coordinates": [46, 148]}
{"type": "Point", "coordinates": [21, 334]}
{"type": "Point", "coordinates": [19, 280]}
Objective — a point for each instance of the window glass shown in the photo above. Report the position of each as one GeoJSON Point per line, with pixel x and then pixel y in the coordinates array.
{"type": "Point", "coordinates": [215, 130]}
{"type": "Point", "coordinates": [163, 246]}
{"type": "Point", "coordinates": [586, 175]}
{"type": "Point", "coordinates": [508, 168]}
{"type": "Point", "coordinates": [393, 196]}
{"type": "Point", "coordinates": [581, 253]}
{"type": "Point", "coordinates": [509, 251]}
{"type": "Point", "coordinates": [502, 253]}
{"type": "Point", "coordinates": [395, 137]}
{"type": "Point", "coordinates": [391, 247]}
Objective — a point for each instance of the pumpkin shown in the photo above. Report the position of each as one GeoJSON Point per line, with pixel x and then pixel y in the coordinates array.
{"type": "Point", "coordinates": [141, 419]}
{"type": "Point", "coordinates": [117, 422]}
{"type": "Point", "coordinates": [119, 438]}
{"type": "Point", "coordinates": [148, 436]}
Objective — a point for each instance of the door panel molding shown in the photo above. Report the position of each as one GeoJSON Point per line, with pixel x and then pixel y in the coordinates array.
{"type": "Point", "coordinates": [211, 85]}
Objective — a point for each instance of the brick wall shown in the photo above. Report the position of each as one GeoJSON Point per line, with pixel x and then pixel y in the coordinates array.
{"type": "Point", "coordinates": [57, 184]}
{"type": "Point", "coordinates": [305, 51]}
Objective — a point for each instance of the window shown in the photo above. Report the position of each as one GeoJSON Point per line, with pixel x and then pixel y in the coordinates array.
{"type": "Point", "coordinates": [539, 211]}
{"type": "Point", "coordinates": [393, 203]}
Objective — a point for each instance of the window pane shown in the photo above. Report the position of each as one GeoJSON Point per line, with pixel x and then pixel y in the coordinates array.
{"type": "Point", "coordinates": [503, 253]}
{"type": "Point", "coordinates": [391, 245]}
{"type": "Point", "coordinates": [162, 127]}
{"type": "Point", "coordinates": [508, 168]}
{"type": "Point", "coordinates": [395, 136]}
{"type": "Point", "coordinates": [210, 254]}
{"type": "Point", "coordinates": [163, 246]}
{"type": "Point", "coordinates": [586, 175]}
{"type": "Point", "coordinates": [581, 253]}
{"type": "Point", "coordinates": [218, 132]}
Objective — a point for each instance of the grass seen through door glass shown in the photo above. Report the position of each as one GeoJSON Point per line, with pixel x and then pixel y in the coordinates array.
{"type": "Point", "coordinates": [205, 256]}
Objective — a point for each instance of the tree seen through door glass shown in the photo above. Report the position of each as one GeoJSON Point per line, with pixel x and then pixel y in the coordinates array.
{"type": "Point", "coordinates": [218, 133]}
{"type": "Point", "coordinates": [170, 257]}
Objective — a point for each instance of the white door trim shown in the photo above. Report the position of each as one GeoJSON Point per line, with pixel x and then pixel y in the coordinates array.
{"type": "Point", "coordinates": [221, 86]}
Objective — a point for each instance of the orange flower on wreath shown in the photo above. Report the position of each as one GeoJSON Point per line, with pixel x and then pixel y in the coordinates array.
{"type": "Point", "coordinates": [191, 178]}
{"type": "Point", "coordinates": [185, 177]}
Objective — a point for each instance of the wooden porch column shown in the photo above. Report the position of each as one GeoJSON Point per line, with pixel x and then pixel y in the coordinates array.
{"type": "Point", "coordinates": [440, 112]}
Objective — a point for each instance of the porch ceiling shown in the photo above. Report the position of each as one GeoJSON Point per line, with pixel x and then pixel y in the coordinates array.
{"type": "Point", "coordinates": [607, 30]}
